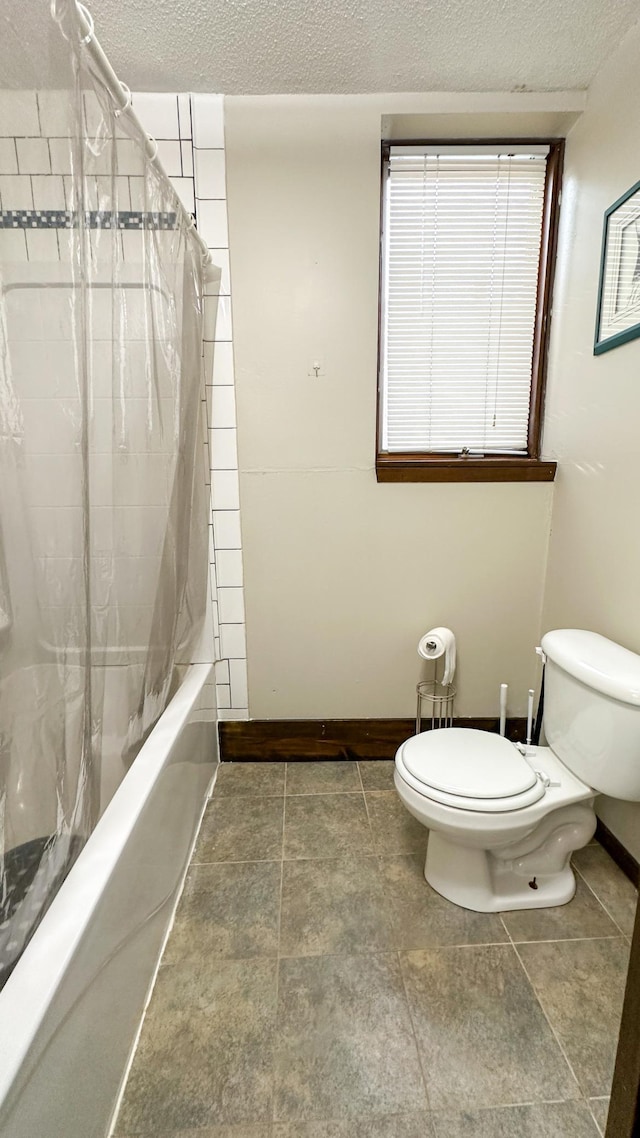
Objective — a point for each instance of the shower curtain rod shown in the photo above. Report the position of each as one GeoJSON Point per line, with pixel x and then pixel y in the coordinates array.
{"type": "Point", "coordinates": [121, 96]}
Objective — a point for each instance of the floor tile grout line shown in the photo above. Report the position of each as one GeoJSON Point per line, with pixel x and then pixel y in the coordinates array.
{"type": "Point", "coordinates": [508, 943]}
{"type": "Point", "coordinates": [433, 1114]}
{"type": "Point", "coordinates": [597, 1098]}
{"type": "Point", "coordinates": [372, 837]}
{"type": "Point", "coordinates": [308, 793]}
{"type": "Point", "coordinates": [581, 875]}
{"type": "Point", "coordinates": [547, 1018]}
{"type": "Point", "coordinates": [413, 1031]}
{"type": "Point", "coordinates": [504, 925]}
{"type": "Point", "coordinates": [595, 1120]}
{"type": "Point", "coordinates": [244, 797]}
{"type": "Point", "coordinates": [516, 1103]}
{"type": "Point", "coordinates": [284, 805]}
{"type": "Point", "coordinates": [282, 857]}
{"type": "Point", "coordinates": [499, 1106]}
{"type": "Point", "coordinates": [278, 959]}
{"type": "Point", "coordinates": [391, 951]}
{"type": "Point", "coordinates": [358, 855]}
{"type": "Point", "coordinates": [243, 861]}
{"type": "Point", "coordinates": [374, 853]}
{"type": "Point", "coordinates": [563, 939]}
{"type": "Point", "coordinates": [366, 808]}
{"type": "Point", "coordinates": [324, 793]}
{"type": "Point", "coordinates": [360, 779]}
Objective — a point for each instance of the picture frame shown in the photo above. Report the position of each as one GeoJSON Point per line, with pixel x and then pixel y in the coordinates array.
{"type": "Point", "coordinates": [618, 311]}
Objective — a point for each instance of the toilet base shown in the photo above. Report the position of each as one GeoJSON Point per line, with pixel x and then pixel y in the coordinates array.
{"type": "Point", "coordinates": [477, 880]}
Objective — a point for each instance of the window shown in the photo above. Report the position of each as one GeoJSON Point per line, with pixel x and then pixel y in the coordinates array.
{"type": "Point", "coordinates": [467, 252]}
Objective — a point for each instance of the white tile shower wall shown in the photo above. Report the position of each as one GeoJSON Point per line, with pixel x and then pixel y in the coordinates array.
{"type": "Point", "coordinates": [35, 160]}
{"type": "Point", "coordinates": [35, 174]}
{"type": "Point", "coordinates": [168, 119]}
{"type": "Point", "coordinates": [211, 214]}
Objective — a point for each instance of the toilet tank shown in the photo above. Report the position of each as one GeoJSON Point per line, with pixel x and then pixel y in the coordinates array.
{"type": "Point", "coordinates": [592, 710]}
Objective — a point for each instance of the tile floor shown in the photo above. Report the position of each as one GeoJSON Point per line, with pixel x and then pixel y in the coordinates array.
{"type": "Point", "coordinates": [314, 986]}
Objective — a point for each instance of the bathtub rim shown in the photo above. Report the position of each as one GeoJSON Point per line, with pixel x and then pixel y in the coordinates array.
{"type": "Point", "coordinates": [28, 992]}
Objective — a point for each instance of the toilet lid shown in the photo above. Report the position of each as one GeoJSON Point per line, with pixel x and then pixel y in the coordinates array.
{"type": "Point", "coordinates": [467, 763]}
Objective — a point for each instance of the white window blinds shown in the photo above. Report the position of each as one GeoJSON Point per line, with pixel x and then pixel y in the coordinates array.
{"type": "Point", "coordinates": [461, 247]}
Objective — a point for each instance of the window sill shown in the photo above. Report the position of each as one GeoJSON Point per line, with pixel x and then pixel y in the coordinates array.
{"type": "Point", "coordinates": [451, 468]}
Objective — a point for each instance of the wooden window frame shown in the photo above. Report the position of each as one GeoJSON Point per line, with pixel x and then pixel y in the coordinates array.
{"type": "Point", "coordinates": [421, 466]}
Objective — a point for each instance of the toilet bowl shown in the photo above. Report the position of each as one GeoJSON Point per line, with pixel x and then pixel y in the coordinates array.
{"type": "Point", "coordinates": [503, 822]}
{"type": "Point", "coordinates": [504, 819]}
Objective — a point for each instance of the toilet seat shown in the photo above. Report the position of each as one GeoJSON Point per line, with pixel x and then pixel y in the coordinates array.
{"type": "Point", "coordinates": [469, 770]}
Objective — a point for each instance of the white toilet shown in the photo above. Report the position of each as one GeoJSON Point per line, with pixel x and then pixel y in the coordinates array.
{"type": "Point", "coordinates": [505, 818]}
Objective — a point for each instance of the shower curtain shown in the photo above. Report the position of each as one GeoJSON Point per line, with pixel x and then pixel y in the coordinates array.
{"type": "Point", "coordinates": [103, 555]}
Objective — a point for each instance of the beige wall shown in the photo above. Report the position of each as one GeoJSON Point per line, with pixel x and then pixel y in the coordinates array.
{"type": "Point", "coordinates": [593, 403]}
{"type": "Point", "coordinates": [343, 575]}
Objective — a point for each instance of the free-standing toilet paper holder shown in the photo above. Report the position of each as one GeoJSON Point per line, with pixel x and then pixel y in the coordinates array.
{"type": "Point", "coordinates": [435, 696]}
{"type": "Point", "coordinates": [435, 702]}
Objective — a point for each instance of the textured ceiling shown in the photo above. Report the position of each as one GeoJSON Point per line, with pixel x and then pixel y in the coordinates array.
{"type": "Point", "coordinates": [335, 46]}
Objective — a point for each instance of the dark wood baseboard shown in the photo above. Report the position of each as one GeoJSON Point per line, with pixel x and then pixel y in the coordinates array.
{"type": "Point", "coordinates": [620, 854]}
{"type": "Point", "coordinates": [291, 740]}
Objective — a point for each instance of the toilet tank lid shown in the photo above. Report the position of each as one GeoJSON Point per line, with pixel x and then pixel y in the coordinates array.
{"type": "Point", "coordinates": [599, 663]}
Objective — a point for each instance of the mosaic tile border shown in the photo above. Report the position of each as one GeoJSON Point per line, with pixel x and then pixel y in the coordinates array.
{"type": "Point", "coordinates": [94, 219]}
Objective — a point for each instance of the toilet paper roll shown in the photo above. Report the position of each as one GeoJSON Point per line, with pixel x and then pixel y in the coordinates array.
{"type": "Point", "coordinates": [436, 643]}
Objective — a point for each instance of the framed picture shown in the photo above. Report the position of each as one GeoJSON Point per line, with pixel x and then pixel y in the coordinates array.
{"type": "Point", "coordinates": [618, 315]}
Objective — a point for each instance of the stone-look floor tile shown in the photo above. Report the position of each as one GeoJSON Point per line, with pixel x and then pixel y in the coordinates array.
{"type": "Point", "coordinates": [326, 825]}
{"type": "Point", "coordinates": [227, 909]}
{"type": "Point", "coordinates": [388, 1126]}
{"type": "Point", "coordinates": [244, 780]}
{"type": "Point", "coordinates": [610, 885]}
{"type": "Point", "coordinates": [204, 1055]}
{"type": "Point", "coordinates": [322, 777]}
{"type": "Point", "coordinates": [548, 1120]}
{"type": "Point", "coordinates": [580, 984]}
{"type": "Point", "coordinates": [600, 1111]}
{"type": "Point", "coordinates": [377, 774]}
{"type": "Point", "coordinates": [241, 829]}
{"type": "Point", "coordinates": [344, 1042]}
{"type": "Point", "coordinates": [421, 918]}
{"type": "Point", "coordinates": [482, 1035]}
{"type": "Point", "coordinates": [394, 829]}
{"type": "Point", "coordinates": [582, 917]}
{"type": "Point", "coordinates": [333, 906]}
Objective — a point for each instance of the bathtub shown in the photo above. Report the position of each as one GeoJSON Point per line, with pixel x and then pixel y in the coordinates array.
{"type": "Point", "coordinates": [71, 1009]}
